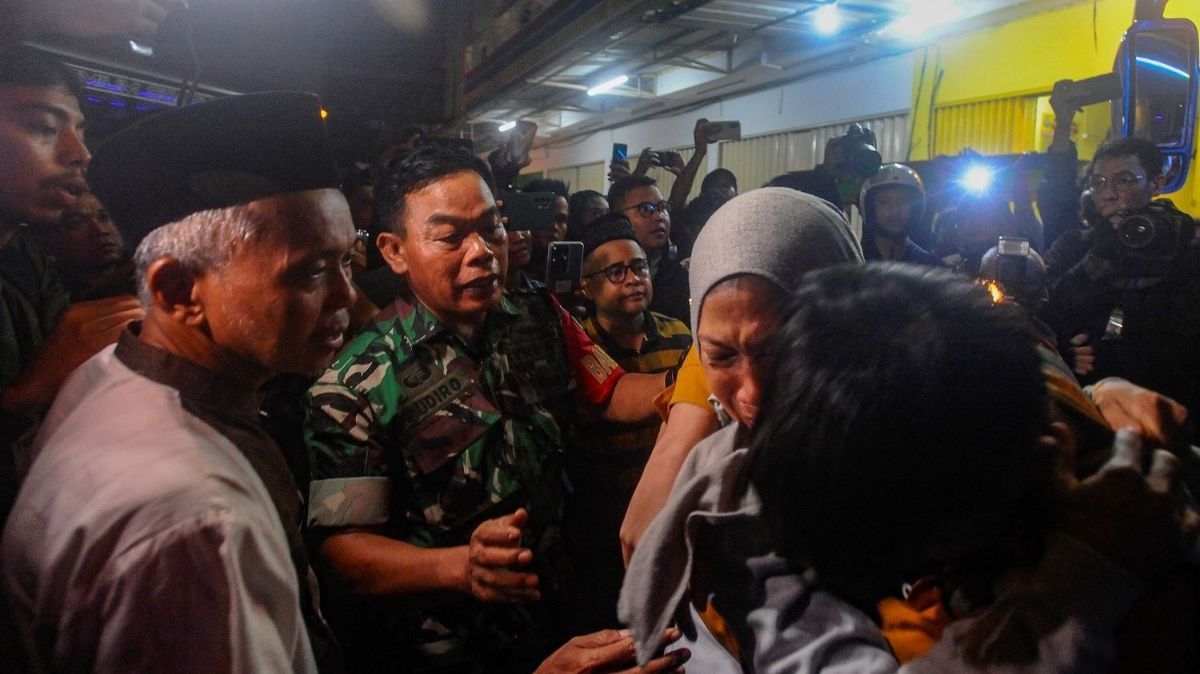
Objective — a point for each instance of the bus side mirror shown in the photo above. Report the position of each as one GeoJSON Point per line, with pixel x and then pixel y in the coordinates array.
{"type": "Point", "coordinates": [1157, 64]}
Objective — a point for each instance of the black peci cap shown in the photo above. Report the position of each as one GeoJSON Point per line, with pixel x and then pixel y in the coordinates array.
{"type": "Point", "coordinates": [608, 227]}
{"type": "Point", "coordinates": [214, 155]}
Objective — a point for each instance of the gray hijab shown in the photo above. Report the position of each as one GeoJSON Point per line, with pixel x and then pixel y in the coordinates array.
{"type": "Point", "coordinates": [774, 232]}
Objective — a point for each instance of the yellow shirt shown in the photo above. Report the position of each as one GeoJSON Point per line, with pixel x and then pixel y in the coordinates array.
{"type": "Point", "coordinates": [690, 386]}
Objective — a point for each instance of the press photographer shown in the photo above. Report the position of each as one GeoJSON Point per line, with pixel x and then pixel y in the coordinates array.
{"type": "Point", "coordinates": [1131, 307]}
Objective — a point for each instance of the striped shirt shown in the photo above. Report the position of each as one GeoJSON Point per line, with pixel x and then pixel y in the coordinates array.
{"type": "Point", "coordinates": [667, 341]}
{"type": "Point", "coordinates": [605, 465]}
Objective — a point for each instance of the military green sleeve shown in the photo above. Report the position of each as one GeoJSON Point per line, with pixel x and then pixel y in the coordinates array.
{"type": "Point", "coordinates": [349, 484]}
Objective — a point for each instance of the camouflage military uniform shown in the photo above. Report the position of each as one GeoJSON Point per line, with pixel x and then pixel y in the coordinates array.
{"type": "Point", "coordinates": [415, 432]}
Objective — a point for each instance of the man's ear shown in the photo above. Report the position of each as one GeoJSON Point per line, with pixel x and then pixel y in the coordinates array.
{"type": "Point", "coordinates": [585, 285]}
{"type": "Point", "coordinates": [391, 247]}
{"type": "Point", "coordinates": [173, 291]}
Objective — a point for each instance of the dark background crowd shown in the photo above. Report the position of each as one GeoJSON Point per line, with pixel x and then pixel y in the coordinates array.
{"type": "Point", "coordinates": [264, 413]}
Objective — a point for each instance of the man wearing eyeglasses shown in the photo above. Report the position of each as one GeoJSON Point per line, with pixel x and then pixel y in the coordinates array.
{"type": "Point", "coordinates": [1131, 307]}
{"type": "Point", "coordinates": [639, 199]}
{"type": "Point", "coordinates": [611, 456]}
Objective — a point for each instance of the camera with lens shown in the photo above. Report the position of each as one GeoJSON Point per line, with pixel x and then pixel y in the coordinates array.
{"type": "Point", "coordinates": [1157, 232]}
{"type": "Point", "coordinates": [856, 153]}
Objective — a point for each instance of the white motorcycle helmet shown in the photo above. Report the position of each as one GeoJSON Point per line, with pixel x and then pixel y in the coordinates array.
{"type": "Point", "coordinates": [889, 175]}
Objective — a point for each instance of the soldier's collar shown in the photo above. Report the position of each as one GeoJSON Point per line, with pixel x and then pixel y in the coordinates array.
{"type": "Point", "coordinates": [419, 323]}
{"type": "Point", "coordinates": [507, 307]}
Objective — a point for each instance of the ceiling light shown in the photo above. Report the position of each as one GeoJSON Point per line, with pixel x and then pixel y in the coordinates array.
{"type": "Point", "coordinates": [606, 86]}
{"type": "Point", "coordinates": [924, 15]}
{"type": "Point", "coordinates": [507, 126]}
{"type": "Point", "coordinates": [141, 49]}
{"type": "Point", "coordinates": [828, 19]}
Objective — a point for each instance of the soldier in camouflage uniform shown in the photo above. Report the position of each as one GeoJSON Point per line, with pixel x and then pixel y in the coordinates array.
{"type": "Point", "coordinates": [437, 440]}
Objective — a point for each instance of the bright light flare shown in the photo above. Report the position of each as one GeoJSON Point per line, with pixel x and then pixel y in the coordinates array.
{"type": "Point", "coordinates": [994, 290]}
{"type": "Point", "coordinates": [925, 15]}
{"type": "Point", "coordinates": [507, 126]}
{"type": "Point", "coordinates": [609, 85]}
{"type": "Point", "coordinates": [977, 179]}
{"type": "Point", "coordinates": [828, 19]}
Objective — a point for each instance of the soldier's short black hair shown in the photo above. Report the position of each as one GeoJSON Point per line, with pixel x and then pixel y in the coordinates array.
{"type": "Point", "coordinates": [624, 186]}
{"type": "Point", "coordinates": [558, 187]}
{"type": "Point", "coordinates": [25, 66]}
{"type": "Point", "coordinates": [1146, 152]}
{"type": "Point", "coordinates": [901, 417]}
{"type": "Point", "coordinates": [417, 169]}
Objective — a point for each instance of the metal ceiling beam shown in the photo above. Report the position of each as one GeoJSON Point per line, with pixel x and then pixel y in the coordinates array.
{"type": "Point", "coordinates": [635, 69]}
{"type": "Point", "coordinates": [700, 65]}
{"type": "Point", "coordinates": [633, 25]}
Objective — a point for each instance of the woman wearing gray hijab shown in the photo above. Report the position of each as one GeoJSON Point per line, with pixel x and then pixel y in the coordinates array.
{"type": "Point", "coordinates": [706, 563]}
{"type": "Point", "coordinates": [745, 263]}
{"type": "Point", "coordinates": [759, 245]}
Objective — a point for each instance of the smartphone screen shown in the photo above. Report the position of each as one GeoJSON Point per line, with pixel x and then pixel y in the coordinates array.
{"type": "Point", "coordinates": [620, 152]}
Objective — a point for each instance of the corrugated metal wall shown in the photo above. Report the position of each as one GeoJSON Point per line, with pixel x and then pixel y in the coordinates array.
{"type": "Point", "coordinates": [666, 179]}
{"type": "Point", "coordinates": [585, 177]}
{"type": "Point", "coordinates": [999, 126]}
{"type": "Point", "coordinates": [757, 160]}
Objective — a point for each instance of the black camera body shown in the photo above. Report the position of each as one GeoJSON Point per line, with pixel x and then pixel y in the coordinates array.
{"type": "Point", "coordinates": [861, 157]}
{"type": "Point", "coordinates": [1154, 233]}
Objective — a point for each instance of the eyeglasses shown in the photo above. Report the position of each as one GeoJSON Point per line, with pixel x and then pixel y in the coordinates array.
{"type": "Point", "coordinates": [649, 208]}
{"type": "Point", "coordinates": [1122, 182]}
{"type": "Point", "coordinates": [616, 272]}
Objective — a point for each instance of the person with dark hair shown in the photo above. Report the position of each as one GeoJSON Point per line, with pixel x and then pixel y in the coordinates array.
{"type": "Point", "coordinates": [936, 363]}
{"type": "Point", "coordinates": [42, 162]}
{"type": "Point", "coordinates": [609, 461]}
{"type": "Point", "coordinates": [153, 465]}
{"type": "Point", "coordinates": [437, 442]}
{"type": "Point", "coordinates": [816, 182]}
{"type": "Point", "coordinates": [717, 188]}
{"type": "Point", "coordinates": [639, 199]}
{"type": "Point", "coordinates": [541, 239]}
{"type": "Point", "coordinates": [893, 203]}
{"type": "Point", "coordinates": [722, 180]}
{"type": "Point", "coordinates": [583, 208]}
{"type": "Point", "coordinates": [88, 251]}
{"type": "Point", "coordinates": [881, 460]}
{"type": "Point", "coordinates": [1131, 307]}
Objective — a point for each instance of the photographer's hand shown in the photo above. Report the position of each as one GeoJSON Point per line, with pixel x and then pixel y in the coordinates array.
{"type": "Point", "coordinates": [94, 18]}
{"type": "Point", "coordinates": [647, 159]}
{"type": "Point", "coordinates": [1064, 116]}
{"type": "Point", "coordinates": [1083, 355]}
{"type": "Point", "coordinates": [617, 170]}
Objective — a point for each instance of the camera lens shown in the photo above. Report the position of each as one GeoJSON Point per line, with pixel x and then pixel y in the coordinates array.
{"type": "Point", "coordinates": [1136, 231]}
{"type": "Point", "coordinates": [866, 161]}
